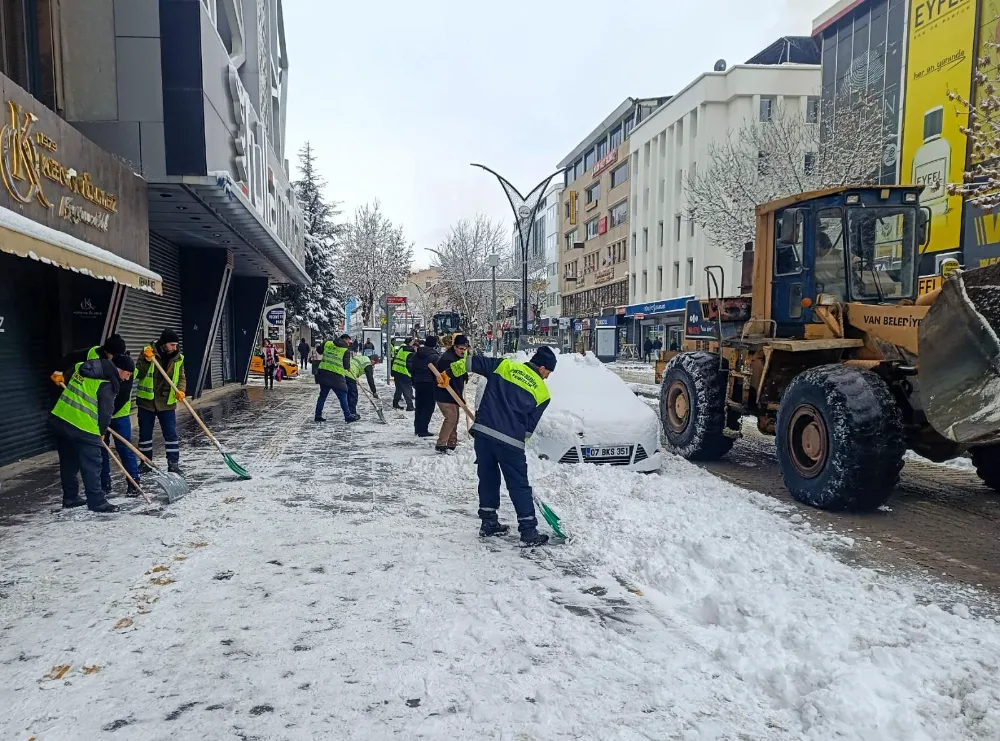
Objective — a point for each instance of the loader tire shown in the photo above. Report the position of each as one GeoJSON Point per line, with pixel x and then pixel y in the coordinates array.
{"type": "Point", "coordinates": [987, 462]}
{"type": "Point", "coordinates": [839, 439]}
{"type": "Point", "coordinates": [693, 406]}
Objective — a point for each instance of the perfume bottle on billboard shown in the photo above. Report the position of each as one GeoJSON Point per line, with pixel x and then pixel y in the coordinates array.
{"type": "Point", "coordinates": [932, 163]}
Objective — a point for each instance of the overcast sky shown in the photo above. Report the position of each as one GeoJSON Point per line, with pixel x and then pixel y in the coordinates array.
{"type": "Point", "coordinates": [398, 97]}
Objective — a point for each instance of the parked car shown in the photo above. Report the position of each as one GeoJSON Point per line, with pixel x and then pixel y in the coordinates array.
{"type": "Point", "coordinates": [594, 417]}
{"type": "Point", "coordinates": [287, 368]}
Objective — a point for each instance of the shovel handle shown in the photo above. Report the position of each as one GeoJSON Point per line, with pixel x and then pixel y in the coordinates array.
{"type": "Point", "coordinates": [458, 399]}
{"type": "Point", "coordinates": [188, 405]}
{"type": "Point", "coordinates": [121, 465]}
{"type": "Point", "coordinates": [128, 444]}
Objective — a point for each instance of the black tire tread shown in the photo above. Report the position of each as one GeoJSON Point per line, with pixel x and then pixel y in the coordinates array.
{"type": "Point", "coordinates": [986, 459]}
{"type": "Point", "coordinates": [867, 441]}
{"type": "Point", "coordinates": [703, 375]}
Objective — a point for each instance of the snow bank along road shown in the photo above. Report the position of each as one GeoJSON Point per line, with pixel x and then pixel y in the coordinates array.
{"type": "Point", "coordinates": [343, 594]}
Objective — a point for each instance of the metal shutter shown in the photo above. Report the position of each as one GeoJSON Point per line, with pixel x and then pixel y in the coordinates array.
{"type": "Point", "coordinates": [226, 335]}
{"type": "Point", "coordinates": [145, 315]}
{"type": "Point", "coordinates": [29, 351]}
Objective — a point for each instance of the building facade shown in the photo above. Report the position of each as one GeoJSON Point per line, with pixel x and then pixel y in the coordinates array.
{"type": "Point", "coordinates": [594, 228]}
{"type": "Point", "coordinates": [424, 298]}
{"type": "Point", "coordinates": [667, 254]}
{"type": "Point", "coordinates": [144, 187]}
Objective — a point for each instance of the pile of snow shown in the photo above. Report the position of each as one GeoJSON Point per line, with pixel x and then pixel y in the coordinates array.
{"type": "Point", "coordinates": [592, 404]}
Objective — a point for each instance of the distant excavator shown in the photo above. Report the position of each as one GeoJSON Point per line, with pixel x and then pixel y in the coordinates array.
{"type": "Point", "coordinates": [836, 355]}
{"type": "Point", "coordinates": [447, 325]}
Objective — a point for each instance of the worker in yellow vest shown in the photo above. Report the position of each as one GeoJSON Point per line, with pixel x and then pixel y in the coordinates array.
{"type": "Point", "coordinates": [334, 370]}
{"type": "Point", "coordinates": [121, 423]}
{"type": "Point", "coordinates": [157, 400]}
{"type": "Point", "coordinates": [79, 419]}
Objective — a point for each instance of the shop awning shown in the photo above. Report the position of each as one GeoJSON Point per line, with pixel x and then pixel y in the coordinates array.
{"type": "Point", "coordinates": [26, 238]}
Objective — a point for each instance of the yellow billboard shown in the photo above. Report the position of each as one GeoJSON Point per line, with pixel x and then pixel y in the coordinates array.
{"type": "Point", "coordinates": [940, 59]}
{"type": "Point", "coordinates": [989, 36]}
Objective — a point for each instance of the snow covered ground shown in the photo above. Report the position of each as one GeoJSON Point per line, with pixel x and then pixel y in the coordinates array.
{"type": "Point", "coordinates": [343, 593]}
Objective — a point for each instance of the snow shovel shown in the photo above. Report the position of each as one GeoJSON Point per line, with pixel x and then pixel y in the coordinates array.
{"type": "Point", "coordinates": [378, 409]}
{"type": "Point", "coordinates": [121, 465]}
{"type": "Point", "coordinates": [550, 517]}
{"type": "Point", "coordinates": [173, 484]}
{"type": "Point", "coordinates": [233, 465]}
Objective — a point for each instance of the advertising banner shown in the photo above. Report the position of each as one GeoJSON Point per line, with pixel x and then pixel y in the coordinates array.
{"type": "Point", "coordinates": [274, 323]}
{"type": "Point", "coordinates": [940, 59]}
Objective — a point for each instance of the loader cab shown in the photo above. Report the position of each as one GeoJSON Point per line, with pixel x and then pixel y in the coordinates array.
{"type": "Point", "coordinates": [842, 245]}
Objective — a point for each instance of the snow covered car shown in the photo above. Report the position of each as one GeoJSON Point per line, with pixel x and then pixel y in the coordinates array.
{"type": "Point", "coordinates": [594, 417]}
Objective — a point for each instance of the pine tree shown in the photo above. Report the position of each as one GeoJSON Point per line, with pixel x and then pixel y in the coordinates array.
{"type": "Point", "coordinates": [320, 305]}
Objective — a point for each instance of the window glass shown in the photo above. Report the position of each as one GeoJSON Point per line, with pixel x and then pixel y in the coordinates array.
{"type": "Point", "coordinates": [788, 257]}
{"type": "Point", "coordinates": [882, 252]}
{"type": "Point", "coordinates": [766, 108]}
{"type": "Point", "coordinates": [619, 214]}
{"type": "Point", "coordinates": [589, 159]}
{"type": "Point", "coordinates": [830, 270]}
{"type": "Point", "coordinates": [616, 136]}
{"type": "Point", "coordinates": [619, 175]}
{"type": "Point", "coordinates": [593, 192]}
{"type": "Point", "coordinates": [592, 228]}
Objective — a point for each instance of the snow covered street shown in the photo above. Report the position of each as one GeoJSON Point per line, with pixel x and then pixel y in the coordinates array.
{"type": "Point", "coordinates": [344, 593]}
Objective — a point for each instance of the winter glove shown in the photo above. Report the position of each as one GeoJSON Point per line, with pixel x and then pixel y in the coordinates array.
{"type": "Point", "coordinates": [147, 353]}
{"type": "Point", "coordinates": [58, 379]}
{"type": "Point", "coordinates": [181, 396]}
{"type": "Point", "coordinates": [442, 380]}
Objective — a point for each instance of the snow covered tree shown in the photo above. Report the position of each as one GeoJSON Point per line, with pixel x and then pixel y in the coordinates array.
{"type": "Point", "coordinates": [375, 258]}
{"type": "Point", "coordinates": [320, 304]}
{"type": "Point", "coordinates": [766, 160]}
{"type": "Point", "coordinates": [981, 182]}
{"type": "Point", "coordinates": [463, 256]}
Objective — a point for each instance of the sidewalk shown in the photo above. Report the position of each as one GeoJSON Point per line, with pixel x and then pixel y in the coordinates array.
{"type": "Point", "coordinates": [343, 593]}
{"type": "Point", "coordinates": [32, 485]}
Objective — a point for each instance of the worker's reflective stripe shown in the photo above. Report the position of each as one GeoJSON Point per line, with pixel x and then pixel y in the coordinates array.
{"type": "Point", "coordinates": [77, 405]}
{"type": "Point", "coordinates": [358, 365]}
{"type": "Point", "coordinates": [522, 376]}
{"type": "Point", "coordinates": [333, 359]}
{"type": "Point", "coordinates": [81, 394]}
{"type": "Point", "coordinates": [178, 363]}
{"type": "Point", "coordinates": [399, 363]}
{"type": "Point", "coordinates": [458, 368]}
{"type": "Point", "coordinates": [490, 432]}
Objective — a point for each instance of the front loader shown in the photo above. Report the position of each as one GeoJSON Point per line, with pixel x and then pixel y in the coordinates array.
{"type": "Point", "coordinates": [836, 355]}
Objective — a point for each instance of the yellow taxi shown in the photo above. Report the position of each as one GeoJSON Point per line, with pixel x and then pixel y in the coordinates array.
{"type": "Point", "coordinates": [287, 368]}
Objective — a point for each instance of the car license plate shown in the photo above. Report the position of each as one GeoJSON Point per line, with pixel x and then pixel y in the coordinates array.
{"type": "Point", "coordinates": [620, 451]}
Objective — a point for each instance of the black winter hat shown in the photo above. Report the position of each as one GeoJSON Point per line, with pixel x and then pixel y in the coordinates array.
{"type": "Point", "coordinates": [124, 362]}
{"type": "Point", "coordinates": [431, 340]}
{"type": "Point", "coordinates": [461, 341]}
{"type": "Point", "coordinates": [544, 358]}
{"type": "Point", "coordinates": [345, 336]}
{"type": "Point", "coordinates": [115, 345]}
{"type": "Point", "coordinates": [167, 336]}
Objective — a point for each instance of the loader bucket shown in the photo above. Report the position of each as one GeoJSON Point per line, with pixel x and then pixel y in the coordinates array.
{"type": "Point", "coordinates": [959, 356]}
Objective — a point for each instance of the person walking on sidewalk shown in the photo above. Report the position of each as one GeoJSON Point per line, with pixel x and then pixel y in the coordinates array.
{"type": "Point", "coordinates": [423, 385]}
{"type": "Point", "coordinates": [157, 400]}
{"type": "Point", "coordinates": [361, 365]}
{"type": "Point", "coordinates": [647, 349]}
{"type": "Point", "coordinates": [270, 353]}
{"type": "Point", "coordinates": [121, 423]}
{"type": "Point", "coordinates": [79, 419]}
{"type": "Point", "coordinates": [451, 366]}
{"type": "Point", "coordinates": [315, 358]}
{"type": "Point", "coordinates": [513, 403]}
{"type": "Point", "coordinates": [303, 352]}
{"type": "Point", "coordinates": [401, 377]}
{"type": "Point", "coordinates": [332, 376]}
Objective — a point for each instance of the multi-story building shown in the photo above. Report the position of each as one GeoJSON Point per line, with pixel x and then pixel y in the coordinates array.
{"type": "Point", "coordinates": [424, 298]}
{"type": "Point", "coordinates": [667, 253]}
{"type": "Point", "coordinates": [594, 216]}
{"type": "Point", "coordinates": [144, 142]}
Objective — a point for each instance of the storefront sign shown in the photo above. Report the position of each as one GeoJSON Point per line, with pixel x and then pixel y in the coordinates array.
{"type": "Point", "coordinates": [607, 321]}
{"type": "Point", "coordinates": [572, 207]}
{"type": "Point", "coordinates": [564, 322]}
{"type": "Point", "coordinates": [604, 276]}
{"type": "Point", "coordinates": [55, 176]}
{"type": "Point", "coordinates": [605, 162]}
{"type": "Point", "coordinates": [939, 64]}
{"type": "Point", "coordinates": [659, 307]}
{"type": "Point", "coordinates": [396, 300]}
{"type": "Point", "coordinates": [274, 323]}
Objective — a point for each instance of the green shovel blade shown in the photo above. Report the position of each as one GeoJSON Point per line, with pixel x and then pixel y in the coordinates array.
{"type": "Point", "coordinates": [236, 467]}
{"type": "Point", "coordinates": [552, 518]}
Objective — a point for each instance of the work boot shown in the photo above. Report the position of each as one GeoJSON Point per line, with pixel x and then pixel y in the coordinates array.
{"type": "Point", "coordinates": [397, 406]}
{"type": "Point", "coordinates": [145, 467]}
{"type": "Point", "coordinates": [104, 507]}
{"type": "Point", "coordinates": [408, 409]}
{"type": "Point", "coordinates": [106, 487]}
{"type": "Point", "coordinates": [131, 492]}
{"type": "Point", "coordinates": [532, 537]}
{"type": "Point", "coordinates": [319, 419]}
{"type": "Point", "coordinates": [175, 467]}
{"type": "Point", "coordinates": [443, 450]}
{"type": "Point", "coordinates": [71, 503]}
{"type": "Point", "coordinates": [492, 527]}
{"type": "Point", "coordinates": [351, 419]}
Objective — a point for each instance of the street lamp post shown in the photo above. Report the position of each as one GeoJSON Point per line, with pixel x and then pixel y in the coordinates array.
{"type": "Point", "coordinates": [525, 209]}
